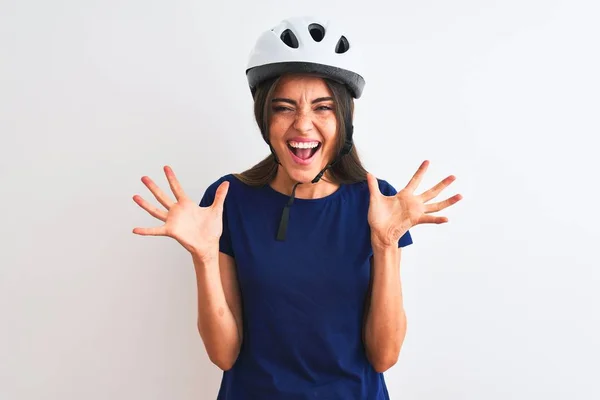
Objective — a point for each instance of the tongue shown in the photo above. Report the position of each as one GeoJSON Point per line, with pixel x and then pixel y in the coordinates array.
{"type": "Point", "coordinates": [303, 153]}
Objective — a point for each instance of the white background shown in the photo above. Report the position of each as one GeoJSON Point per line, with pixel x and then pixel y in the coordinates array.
{"type": "Point", "coordinates": [502, 301]}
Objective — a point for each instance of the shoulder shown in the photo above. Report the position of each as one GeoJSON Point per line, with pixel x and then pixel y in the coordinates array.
{"type": "Point", "coordinates": [234, 182]}
{"type": "Point", "coordinates": [385, 187]}
{"type": "Point", "coordinates": [229, 178]}
{"type": "Point", "coordinates": [209, 192]}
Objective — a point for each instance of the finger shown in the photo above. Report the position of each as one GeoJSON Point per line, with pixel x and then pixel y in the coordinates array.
{"type": "Point", "coordinates": [220, 195]}
{"type": "Point", "coordinates": [155, 231]}
{"type": "Point", "coordinates": [174, 183]}
{"type": "Point", "coordinates": [417, 177]}
{"type": "Point", "coordinates": [154, 211]}
{"type": "Point", "coordinates": [432, 219]}
{"type": "Point", "coordinates": [157, 192]}
{"type": "Point", "coordinates": [373, 185]}
{"type": "Point", "coordinates": [434, 191]}
{"type": "Point", "coordinates": [434, 207]}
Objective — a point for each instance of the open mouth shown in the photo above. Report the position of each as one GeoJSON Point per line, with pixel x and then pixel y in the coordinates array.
{"type": "Point", "coordinates": [303, 151]}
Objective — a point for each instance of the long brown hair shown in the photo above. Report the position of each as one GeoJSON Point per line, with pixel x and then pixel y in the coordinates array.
{"type": "Point", "coordinates": [348, 169]}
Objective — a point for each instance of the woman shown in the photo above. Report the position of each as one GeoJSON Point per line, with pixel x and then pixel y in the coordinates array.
{"type": "Point", "coordinates": [297, 259]}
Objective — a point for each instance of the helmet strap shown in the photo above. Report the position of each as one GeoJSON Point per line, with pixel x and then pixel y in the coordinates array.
{"type": "Point", "coordinates": [348, 143]}
{"type": "Point", "coordinates": [273, 152]}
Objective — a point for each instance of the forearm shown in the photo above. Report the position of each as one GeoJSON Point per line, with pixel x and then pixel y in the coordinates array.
{"type": "Point", "coordinates": [385, 326]}
{"type": "Point", "coordinates": [216, 323]}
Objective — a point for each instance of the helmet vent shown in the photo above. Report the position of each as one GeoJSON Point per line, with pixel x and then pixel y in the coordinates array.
{"type": "Point", "coordinates": [289, 38]}
{"type": "Point", "coordinates": [342, 45]}
{"type": "Point", "coordinates": [317, 32]}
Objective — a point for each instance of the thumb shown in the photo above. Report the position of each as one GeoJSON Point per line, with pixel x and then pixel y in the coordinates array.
{"type": "Point", "coordinates": [373, 185]}
{"type": "Point", "coordinates": [220, 195]}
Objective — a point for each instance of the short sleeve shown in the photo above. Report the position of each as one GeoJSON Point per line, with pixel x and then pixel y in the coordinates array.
{"type": "Point", "coordinates": [225, 245]}
{"type": "Point", "coordinates": [389, 190]}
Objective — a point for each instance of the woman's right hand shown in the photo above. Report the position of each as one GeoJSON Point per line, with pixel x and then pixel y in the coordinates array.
{"type": "Point", "coordinates": [196, 228]}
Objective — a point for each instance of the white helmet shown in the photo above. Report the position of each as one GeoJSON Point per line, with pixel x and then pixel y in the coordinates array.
{"type": "Point", "coordinates": [306, 45]}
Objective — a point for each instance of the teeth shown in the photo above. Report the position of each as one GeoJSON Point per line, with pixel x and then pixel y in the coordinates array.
{"type": "Point", "coordinates": [303, 145]}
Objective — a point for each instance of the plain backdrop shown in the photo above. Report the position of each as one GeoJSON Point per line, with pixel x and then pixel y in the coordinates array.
{"type": "Point", "coordinates": [502, 301]}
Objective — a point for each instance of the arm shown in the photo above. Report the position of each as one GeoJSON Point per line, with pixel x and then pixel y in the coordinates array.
{"type": "Point", "coordinates": [219, 309]}
{"type": "Point", "coordinates": [385, 320]}
{"type": "Point", "coordinates": [390, 217]}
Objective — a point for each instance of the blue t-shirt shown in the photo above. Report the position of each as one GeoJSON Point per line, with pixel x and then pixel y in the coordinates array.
{"type": "Point", "coordinates": [303, 299]}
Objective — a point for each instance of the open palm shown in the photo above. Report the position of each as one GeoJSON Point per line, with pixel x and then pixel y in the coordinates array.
{"type": "Point", "coordinates": [390, 217]}
{"type": "Point", "coordinates": [196, 228]}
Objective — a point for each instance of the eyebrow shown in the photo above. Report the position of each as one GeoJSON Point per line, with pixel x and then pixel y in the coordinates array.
{"type": "Point", "coordinates": [290, 101]}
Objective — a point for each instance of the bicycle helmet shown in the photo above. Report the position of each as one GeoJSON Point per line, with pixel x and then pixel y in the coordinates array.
{"type": "Point", "coordinates": [306, 45]}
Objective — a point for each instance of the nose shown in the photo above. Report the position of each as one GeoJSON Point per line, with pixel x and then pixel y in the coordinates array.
{"type": "Point", "coordinates": [303, 123]}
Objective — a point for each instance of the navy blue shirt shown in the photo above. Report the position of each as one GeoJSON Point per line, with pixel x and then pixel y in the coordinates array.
{"type": "Point", "coordinates": [303, 299]}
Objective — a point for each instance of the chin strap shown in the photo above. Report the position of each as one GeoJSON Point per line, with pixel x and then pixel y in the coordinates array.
{"type": "Point", "coordinates": [273, 152]}
{"type": "Point", "coordinates": [345, 150]}
{"type": "Point", "coordinates": [285, 216]}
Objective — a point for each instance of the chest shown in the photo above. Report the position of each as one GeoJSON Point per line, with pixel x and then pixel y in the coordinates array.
{"type": "Point", "coordinates": [321, 268]}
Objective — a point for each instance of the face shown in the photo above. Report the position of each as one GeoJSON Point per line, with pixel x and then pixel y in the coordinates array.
{"type": "Point", "coordinates": [303, 126]}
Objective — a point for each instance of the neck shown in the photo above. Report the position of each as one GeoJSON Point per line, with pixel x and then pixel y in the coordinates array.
{"type": "Point", "coordinates": [284, 184]}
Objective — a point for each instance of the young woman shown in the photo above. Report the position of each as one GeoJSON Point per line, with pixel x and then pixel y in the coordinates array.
{"type": "Point", "coordinates": [297, 259]}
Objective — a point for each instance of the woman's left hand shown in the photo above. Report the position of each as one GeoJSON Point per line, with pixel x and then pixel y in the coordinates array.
{"type": "Point", "coordinates": [390, 217]}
